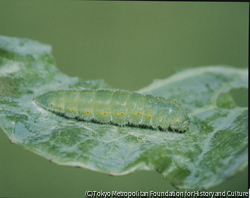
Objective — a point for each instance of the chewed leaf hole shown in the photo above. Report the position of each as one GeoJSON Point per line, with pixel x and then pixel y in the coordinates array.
{"type": "Point", "coordinates": [240, 96]}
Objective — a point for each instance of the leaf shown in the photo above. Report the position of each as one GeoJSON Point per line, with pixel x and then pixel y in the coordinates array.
{"type": "Point", "coordinates": [214, 147]}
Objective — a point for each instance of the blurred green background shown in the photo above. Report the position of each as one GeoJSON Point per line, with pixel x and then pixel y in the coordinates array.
{"type": "Point", "coordinates": [128, 44]}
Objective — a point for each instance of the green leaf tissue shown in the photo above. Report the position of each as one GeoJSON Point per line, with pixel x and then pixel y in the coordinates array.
{"type": "Point", "coordinates": [186, 127]}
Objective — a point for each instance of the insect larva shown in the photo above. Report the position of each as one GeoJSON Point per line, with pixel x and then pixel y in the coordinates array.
{"type": "Point", "coordinates": [116, 107]}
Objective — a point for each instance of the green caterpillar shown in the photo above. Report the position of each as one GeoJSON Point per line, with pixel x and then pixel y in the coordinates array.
{"type": "Point", "coordinates": [122, 108]}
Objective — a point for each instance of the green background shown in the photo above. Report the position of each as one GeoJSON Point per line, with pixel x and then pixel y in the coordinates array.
{"type": "Point", "coordinates": [128, 44]}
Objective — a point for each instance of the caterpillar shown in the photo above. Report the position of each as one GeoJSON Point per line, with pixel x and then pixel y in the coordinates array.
{"type": "Point", "coordinates": [118, 107]}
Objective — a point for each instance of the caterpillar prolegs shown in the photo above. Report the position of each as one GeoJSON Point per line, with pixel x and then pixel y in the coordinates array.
{"type": "Point", "coordinates": [122, 108]}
